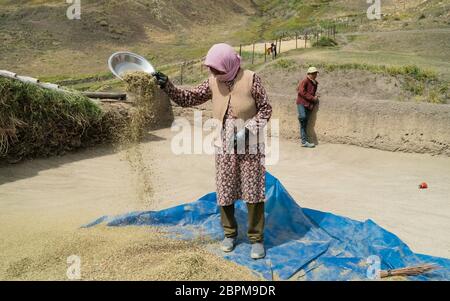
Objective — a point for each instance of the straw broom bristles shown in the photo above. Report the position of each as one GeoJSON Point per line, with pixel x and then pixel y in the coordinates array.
{"type": "Point", "coordinates": [410, 271]}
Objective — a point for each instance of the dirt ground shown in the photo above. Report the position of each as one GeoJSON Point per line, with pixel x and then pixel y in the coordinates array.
{"type": "Point", "coordinates": [44, 202]}
{"type": "Point", "coordinates": [286, 45]}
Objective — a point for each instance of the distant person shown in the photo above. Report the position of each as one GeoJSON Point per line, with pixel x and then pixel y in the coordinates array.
{"type": "Point", "coordinates": [274, 51]}
{"type": "Point", "coordinates": [236, 94]}
{"type": "Point", "coordinates": [306, 100]}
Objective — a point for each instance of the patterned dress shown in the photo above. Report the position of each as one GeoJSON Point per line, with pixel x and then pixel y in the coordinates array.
{"type": "Point", "coordinates": [239, 176]}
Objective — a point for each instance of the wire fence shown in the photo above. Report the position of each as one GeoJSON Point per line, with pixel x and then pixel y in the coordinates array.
{"type": "Point", "coordinates": [260, 52]}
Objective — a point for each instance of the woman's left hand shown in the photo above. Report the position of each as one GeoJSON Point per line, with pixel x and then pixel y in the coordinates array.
{"type": "Point", "coordinates": [239, 139]}
{"type": "Point", "coordinates": [161, 78]}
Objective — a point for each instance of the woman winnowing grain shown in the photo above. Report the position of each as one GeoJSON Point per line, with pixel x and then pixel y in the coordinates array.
{"type": "Point", "coordinates": [237, 95]}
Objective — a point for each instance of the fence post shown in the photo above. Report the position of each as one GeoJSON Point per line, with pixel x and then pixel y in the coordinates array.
{"type": "Point", "coordinates": [253, 54]}
{"type": "Point", "coordinates": [306, 40]}
{"type": "Point", "coordinates": [265, 52]}
{"type": "Point", "coordinates": [240, 49]}
{"type": "Point", "coordinates": [279, 49]}
{"type": "Point", "coordinates": [181, 73]}
{"type": "Point", "coordinates": [296, 40]}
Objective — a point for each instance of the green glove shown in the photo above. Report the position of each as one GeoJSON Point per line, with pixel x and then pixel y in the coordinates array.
{"type": "Point", "coordinates": [161, 78]}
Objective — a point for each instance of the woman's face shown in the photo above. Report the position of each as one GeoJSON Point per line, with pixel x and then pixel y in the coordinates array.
{"type": "Point", "coordinates": [216, 72]}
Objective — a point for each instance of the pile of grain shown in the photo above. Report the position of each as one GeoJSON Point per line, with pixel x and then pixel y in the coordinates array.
{"type": "Point", "coordinates": [130, 253]}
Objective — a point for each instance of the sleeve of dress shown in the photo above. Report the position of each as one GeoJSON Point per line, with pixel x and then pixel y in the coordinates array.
{"type": "Point", "coordinates": [189, 97]}
{"type": "Point", "coordinates": [264, 109]}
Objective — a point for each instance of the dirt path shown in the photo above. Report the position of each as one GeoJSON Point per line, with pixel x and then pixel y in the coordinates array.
{"type": "Point", "coordinates": [286, 45]}
{"type": "Point", "coordinates": [44, 202]}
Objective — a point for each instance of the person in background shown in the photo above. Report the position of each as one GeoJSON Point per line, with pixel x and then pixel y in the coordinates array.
{"type": "Point", "coordinates": [269, 50]}
{"type": "Point", "coordinates": [237, 95]}
{"type": "Point", "coordinates": [274, 51]}
{"type": "Point", "coordinates": [306, 100]}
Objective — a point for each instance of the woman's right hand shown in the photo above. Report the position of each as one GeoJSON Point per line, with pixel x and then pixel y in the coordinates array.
{"type": "Point", "coordinates": [161, 79]}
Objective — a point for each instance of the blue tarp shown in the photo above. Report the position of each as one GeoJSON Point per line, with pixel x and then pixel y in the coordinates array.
{"type": "Point", "coordinates": [302, 244]}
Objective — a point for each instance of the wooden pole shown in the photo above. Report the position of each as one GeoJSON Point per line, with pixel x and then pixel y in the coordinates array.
{"type": "Point", "coordinates": [240, 49]}
{"type": "Point", "coordinates": [253, 54]}
{"type": "Point", "coordinates": [296, 40]}
{"type": "Point", "coordinates": [279, 49]}
{"type": "Point", "coordinates": [27, 79]}
{"type": "Point", "coordinates": [105, 95]}
{"type": "Point", "coordinates": [306, 40]}
{"type": "Point", "coordinates": [265, 52]}
{"type": "Point", "coordinates": [181, 73]}
{"type": "Point", "coordinates": [50, 86]}
{"type": "Point", "coordinates": [9, 74]}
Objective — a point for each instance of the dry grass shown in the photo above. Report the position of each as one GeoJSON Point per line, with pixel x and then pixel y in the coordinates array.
{"type": "Point", "coordinates": [37, 122]}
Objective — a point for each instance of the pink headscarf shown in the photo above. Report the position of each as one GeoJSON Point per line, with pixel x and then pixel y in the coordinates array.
{"type": "Point", "coordinates": [224, 58]}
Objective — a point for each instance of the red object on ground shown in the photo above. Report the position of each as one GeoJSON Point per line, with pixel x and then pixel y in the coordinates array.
{"type": "Point", "coordinates": [423, 186]}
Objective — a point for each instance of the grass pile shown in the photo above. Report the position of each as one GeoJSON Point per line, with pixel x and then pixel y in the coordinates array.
{"type": "Point", "coordinates": [38, 122]}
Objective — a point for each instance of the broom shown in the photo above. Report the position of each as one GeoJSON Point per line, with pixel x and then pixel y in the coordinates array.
{"type": "Point", "coordinates": [410, 271]}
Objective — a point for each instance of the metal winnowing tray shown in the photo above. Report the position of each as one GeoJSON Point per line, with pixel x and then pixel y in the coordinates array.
{"type": "Point", "coordinates": [121, 63]}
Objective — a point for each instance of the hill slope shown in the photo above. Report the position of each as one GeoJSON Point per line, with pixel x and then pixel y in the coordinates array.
{"type": "Point", "coordinates": [38, 37]}
{"type": "Point", "coordinates": [284, 15]}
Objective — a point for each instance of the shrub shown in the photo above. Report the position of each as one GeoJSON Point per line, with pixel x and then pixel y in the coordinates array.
{"type": "Point", "coordinates": [285, 64]}
{"type": "Point", "coordinates": [325, 42]}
